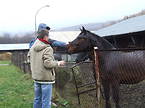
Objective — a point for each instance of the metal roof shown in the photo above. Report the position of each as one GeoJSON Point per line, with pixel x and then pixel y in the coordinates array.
{"type": "Point", "coordinates": [65, 36]}
{"type": "Point", "coordinates": [127, 26]}
{"type": "Point", "coordinates": [9, 47]}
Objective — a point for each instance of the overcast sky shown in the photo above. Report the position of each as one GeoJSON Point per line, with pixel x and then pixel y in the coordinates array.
{"type": "Point", "coordinates": [19, 15]}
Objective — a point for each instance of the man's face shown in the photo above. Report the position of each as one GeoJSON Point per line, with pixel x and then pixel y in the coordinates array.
{"type": "Point", "coordinates": [46, 38]}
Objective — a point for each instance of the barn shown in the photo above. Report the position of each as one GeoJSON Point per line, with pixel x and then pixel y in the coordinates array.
{"type": "Point", "coordinates": [129, 33]}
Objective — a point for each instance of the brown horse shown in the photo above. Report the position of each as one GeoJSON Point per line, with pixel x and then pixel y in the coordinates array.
{"type": "Point", "coordinates": [116, 67]}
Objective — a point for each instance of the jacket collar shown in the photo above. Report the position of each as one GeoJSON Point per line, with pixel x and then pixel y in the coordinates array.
{"type": "Point", "coordinates": [44, 41]}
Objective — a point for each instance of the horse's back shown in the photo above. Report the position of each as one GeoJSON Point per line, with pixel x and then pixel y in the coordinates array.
{"type": "Point", "coordinates": [127, 67]}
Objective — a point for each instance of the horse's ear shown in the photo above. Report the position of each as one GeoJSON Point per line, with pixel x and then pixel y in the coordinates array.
{"type": "Point", "coordinates": [83, 28]}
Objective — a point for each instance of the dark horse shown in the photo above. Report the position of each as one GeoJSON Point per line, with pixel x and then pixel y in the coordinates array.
{"type": "Point", "coordinates": [116, 67]}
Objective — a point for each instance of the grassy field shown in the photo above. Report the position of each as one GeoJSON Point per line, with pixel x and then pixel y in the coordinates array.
{"type": "Point", "coordinates": [4, 62]}
{"type": "Point", "coordinates": [16, 88]}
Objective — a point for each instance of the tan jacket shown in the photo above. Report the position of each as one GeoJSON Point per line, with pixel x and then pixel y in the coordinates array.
{"type": "Point", "coordinates": [42, 62]}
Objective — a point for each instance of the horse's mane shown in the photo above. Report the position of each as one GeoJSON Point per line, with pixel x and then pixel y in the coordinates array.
{"type": "Point", "coordinates": [94, 37]}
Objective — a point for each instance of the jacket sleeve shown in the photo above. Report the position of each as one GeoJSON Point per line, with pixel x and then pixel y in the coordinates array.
{"type": "Point", "coordinates": [48, 58]}
{"type": "Point", "coordinates": [55, 43]}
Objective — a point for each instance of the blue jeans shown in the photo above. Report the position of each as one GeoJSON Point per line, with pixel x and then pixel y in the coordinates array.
{"type": "Point", "coordinates": [43, 94]}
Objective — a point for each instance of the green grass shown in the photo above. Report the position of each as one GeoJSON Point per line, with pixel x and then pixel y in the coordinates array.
{"type": "Point", "coordinates": [16, 88]}
{"type": "Point", "coordinates": [4, 62]}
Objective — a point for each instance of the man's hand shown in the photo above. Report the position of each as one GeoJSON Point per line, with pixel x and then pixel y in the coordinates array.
{"type": "Point", "coordinates": [61, 63]}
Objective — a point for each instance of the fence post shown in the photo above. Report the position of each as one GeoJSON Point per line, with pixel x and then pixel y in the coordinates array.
{"type": "Point", "coordinates": [98, 85]}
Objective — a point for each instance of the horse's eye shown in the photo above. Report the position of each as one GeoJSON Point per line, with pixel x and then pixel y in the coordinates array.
{"type": "Point", "coordinates": [77, 44]}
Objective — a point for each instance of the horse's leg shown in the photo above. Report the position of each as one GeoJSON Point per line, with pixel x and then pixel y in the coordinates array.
{"type": "Point", "coordinates": [115, 92]}
{"type": "Point", "coordinates": [106, 86]}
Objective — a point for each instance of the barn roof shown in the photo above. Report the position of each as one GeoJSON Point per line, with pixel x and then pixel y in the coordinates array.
{"type": "Point", "coordinates": [12, 47]}
{"type": "Point", "coordinates": [130, 25]}
{"type": "Point", "coordinates": [64, 36]}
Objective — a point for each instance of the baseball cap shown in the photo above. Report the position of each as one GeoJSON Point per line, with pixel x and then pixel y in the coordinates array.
{"type": "Point", "coordinates": [43, 26]}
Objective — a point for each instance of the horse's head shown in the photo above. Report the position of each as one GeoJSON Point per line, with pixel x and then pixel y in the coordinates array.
{"type": "Point", "coordinates": [81, 43]}
{"type": "Point", "coordinates": [86, 41]}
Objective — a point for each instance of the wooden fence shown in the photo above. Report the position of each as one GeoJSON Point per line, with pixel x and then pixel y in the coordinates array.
{"type": "Point", "coordinates": [19, 58]}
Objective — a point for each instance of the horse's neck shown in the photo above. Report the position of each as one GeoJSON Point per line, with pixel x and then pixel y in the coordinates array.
{"type": "Point", "coordinates": [106, 44]}
{"type": "Point", "coordinates": [101, 43]}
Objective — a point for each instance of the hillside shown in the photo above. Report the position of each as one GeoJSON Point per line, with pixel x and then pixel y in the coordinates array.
{"type": "Point", "coordinates": [97, 26]}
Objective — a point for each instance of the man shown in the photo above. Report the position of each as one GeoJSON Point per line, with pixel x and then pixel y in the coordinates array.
{"type": "Point", "coordinates": [57, 45]}
{"type": "Point", "coordinates": [42, 66]}
{"type": "Point", "coordinates": [53, 43]}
